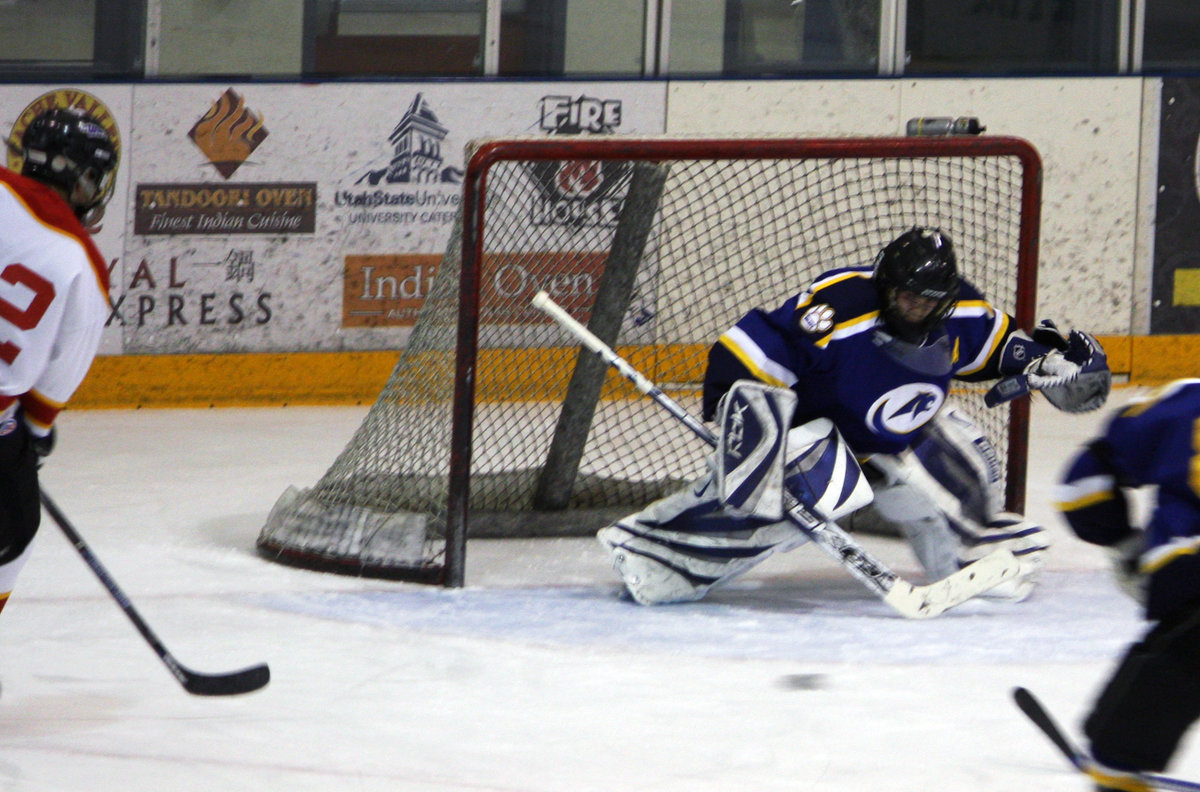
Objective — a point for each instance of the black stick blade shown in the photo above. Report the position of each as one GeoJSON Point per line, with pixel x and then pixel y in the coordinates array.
{"type": "Point", "coordinates": [1034, 710]}
{"type": "Point", "coordinates": [234, 683]}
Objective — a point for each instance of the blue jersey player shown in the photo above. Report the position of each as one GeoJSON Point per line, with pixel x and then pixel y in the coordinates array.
{"type": "Point", "coordinates": [873, 350]}
{"type": "Point", "coordinates": [1153, 696]}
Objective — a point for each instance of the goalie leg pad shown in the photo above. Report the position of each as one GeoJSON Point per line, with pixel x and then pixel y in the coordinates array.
{"type": "Point", "coordinates": [753, 418]}
{"type": "Point", "coordinates": [943, 540]}
{"type": "Point", "coordinates": [822, 472]}
{"type": "Point", "coordinates": [680, 547]}
{"type": "Point", "coordinates": [962, 460]}
{"type": "Point", "coordinates": [957, 468]}
{"type": "Point", "coordinates": [1026, 540]}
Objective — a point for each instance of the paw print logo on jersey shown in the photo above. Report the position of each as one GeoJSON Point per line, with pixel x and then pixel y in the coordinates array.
{"type": "Point", "coordinates": [817, 319]}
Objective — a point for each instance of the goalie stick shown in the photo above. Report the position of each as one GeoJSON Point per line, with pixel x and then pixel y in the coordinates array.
{"type": "Point", "coordinates": [232, 683]}
{"type": "Point", "coordinates": [1079, 758]}
{"type": "Point", "coordinates": [907, 599]}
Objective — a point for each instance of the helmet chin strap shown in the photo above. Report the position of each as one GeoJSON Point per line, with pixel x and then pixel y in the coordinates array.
{"type": "Point", "coordinates": [90, 218]}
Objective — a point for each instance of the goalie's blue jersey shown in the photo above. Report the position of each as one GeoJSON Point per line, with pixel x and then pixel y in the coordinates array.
{"type": "Point", "coordinates": [827, 344]}
{"type": "Point", "coordinates": [1151, 442]}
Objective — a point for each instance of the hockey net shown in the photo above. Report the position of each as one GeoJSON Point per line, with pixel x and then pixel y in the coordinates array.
{"type": "Point", "coordinates": [658, 245]}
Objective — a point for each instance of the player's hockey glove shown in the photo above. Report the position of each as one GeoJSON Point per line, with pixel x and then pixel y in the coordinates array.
{"type": "Point", "coordinates": [1125, 557]}
{"type": "Point", "coordinates": [42, 445]}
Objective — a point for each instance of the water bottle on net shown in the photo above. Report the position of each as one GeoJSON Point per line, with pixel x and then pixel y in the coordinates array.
{"type": "Point", "coordinates": [933, 127]}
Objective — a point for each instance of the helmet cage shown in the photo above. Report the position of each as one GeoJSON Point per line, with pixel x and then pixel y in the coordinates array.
{"type": "Point", "coordinates": [72, 152]}
{"type": "Point", "coordinates": [920, 261]}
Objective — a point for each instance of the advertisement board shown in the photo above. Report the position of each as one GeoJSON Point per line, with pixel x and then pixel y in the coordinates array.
{"type": "Point", "coordinates": [289, 217]}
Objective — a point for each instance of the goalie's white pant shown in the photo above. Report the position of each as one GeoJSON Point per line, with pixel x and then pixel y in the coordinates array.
{"type": "Point", "coordinates": [942, 537]}
{"type": "Point", "coordinates": [680, 547]}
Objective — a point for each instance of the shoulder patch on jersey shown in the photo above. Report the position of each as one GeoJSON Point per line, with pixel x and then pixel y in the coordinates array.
{"type": "Point", "coordinates": [839, 299]}
{"type": "Point", "coordinates": [818, 319]}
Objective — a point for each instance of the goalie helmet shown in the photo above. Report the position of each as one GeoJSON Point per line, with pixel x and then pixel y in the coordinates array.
{"type": "Point", "coordinates": [920, 261]}
{"type": "Point", "coordinates": [71, 151]}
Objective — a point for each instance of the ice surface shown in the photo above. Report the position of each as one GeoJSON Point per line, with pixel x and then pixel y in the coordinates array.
{"type": "Point", "coordinates": [536, 677]}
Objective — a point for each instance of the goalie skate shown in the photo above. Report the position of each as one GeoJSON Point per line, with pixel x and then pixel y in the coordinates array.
{"type": "Point", "coordinates": [1027, 541]}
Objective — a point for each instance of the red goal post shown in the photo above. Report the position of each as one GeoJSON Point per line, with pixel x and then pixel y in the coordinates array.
{"type": "Point", "coordinates": [494, 423]}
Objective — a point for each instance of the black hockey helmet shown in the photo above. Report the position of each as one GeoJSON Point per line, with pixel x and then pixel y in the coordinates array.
{"type": "Point", "coordinates": [921, 261]}
{"type": "Point", "coordinates": [70, 150]}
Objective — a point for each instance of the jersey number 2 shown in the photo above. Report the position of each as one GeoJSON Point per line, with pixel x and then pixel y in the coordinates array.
{"type": "Point", "coordinates": [23, 318]}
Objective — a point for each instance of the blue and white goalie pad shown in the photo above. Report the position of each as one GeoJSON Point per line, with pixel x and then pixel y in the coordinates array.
{"type": "Point", "coordinates": [822, 473]}
{"type": "Point", "coordinates": [753, 420]}
{"type": "Point", "coordinates": [758, 457]}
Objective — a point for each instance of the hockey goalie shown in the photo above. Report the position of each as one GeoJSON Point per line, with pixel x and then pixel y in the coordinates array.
{"type": "Point", "coordinates": [838, 400]}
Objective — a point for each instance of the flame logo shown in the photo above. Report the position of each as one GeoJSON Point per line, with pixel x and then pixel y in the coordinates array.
{"type": "Point", "coordinates": [228, 133]}
{"type": "Point", "coordinates": [579, 179]}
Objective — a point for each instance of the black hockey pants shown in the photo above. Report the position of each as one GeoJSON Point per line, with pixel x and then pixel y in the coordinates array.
{"type": "Point", "coordinates": [20, 507]}
{"type": "Point", "coordinates": [1152, 698]}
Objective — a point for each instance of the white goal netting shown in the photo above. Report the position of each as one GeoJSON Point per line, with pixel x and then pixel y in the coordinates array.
{"type": "Point", "coordinates": [658, 245]}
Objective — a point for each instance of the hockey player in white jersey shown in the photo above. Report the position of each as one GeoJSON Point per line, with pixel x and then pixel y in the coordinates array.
{"type": "Point", "coordinates": [862, 361]}
{"type": "Point", "coordinates": [54, 302]}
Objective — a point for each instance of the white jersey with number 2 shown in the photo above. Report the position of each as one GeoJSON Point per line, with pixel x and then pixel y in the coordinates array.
{"type": "Point", "coordinates": [53, 300]}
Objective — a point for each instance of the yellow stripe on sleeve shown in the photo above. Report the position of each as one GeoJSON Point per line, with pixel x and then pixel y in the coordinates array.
{"type": "Point", "coordinates": [1083, 502]}
{"type": "Point", "coordinates": [749, 362]}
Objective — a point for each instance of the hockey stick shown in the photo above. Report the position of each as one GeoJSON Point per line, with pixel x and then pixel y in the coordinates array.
{"type": "Point", "coordinates": [244, 681]}
{"type": "Point", "coordinates": [1041, 718]}
{"type": "Point", "coordinates": [914, 602]}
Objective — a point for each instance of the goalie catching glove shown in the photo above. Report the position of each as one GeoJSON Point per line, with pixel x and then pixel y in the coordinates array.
{"type": "Point", "coordinates": [1073, 374]}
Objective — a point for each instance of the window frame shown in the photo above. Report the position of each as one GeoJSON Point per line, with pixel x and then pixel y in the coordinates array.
{"type": "Point", "coordinates": [126, 33]}
{"type": "Point", "coordinates": [118, 49]}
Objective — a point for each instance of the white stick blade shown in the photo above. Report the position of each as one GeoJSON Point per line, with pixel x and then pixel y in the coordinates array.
{"type": "Point", "coordinates": [923, 602]}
